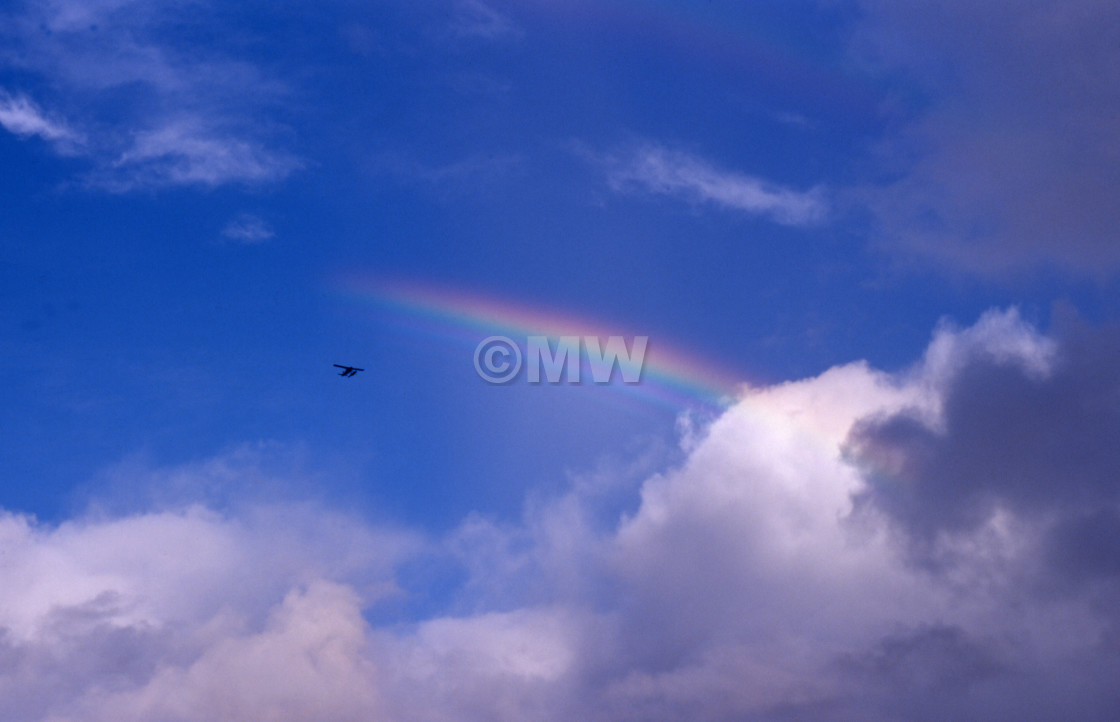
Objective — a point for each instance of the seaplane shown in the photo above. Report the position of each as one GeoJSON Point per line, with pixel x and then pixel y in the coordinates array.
{"type": "Point", "coordinates": [347, 370]}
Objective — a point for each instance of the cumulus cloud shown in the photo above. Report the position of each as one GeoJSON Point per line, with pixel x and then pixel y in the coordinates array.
{"type": "Point", "coordinates": [115, 72]}
{"type": "Point", "coordinates": [937, 543]}
{"type": "Point", "coordinates": [172, 615]}
{"type": "Point", "coordinates": [308, 662]}
{"type": "Point", "coordinates": [658, 170]}
{"type": "Point", "coordinates": [1008, 158]}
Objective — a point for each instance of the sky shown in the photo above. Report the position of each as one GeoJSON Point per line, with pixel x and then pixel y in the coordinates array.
{"type": "Point", "coordinates": [868, 470]}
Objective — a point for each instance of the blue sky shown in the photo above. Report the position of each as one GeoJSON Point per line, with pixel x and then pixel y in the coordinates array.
{"type": "Point", "coordinates": [895, 224]}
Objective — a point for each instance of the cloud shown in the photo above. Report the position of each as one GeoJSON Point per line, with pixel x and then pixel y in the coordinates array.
{"type": "Point", "coordinates": [247, 228]}
{"type": "Point", "coordinates": [658, 170]}
{"type": "Point", "coordinates": [22, 117]}
{"type": "Point", "coordinates": [475, 19]}
{"type": "Point", "coordinates": [1014, 442]}
{"type": "Point", "coordinates": [936, 543]}
{"type": "Point", "coordinates": [184, 155]}
{"type": "Point", "coordinates": [936, 667]}
{"type": "Point", "coordinates": [115, 71]}
{"type": "Point", "coordinates": [1005, 158]}
{"type": "Point", "coordinates": [174, 614]}
{"type": "Point", "coordinates": [469, 172]}
{"type": "Point", "coordinates": [307, 663]}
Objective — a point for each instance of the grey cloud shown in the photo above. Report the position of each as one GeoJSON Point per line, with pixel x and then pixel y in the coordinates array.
{"type": "Point", "coordinates": [928, 673]}
{"type": "Point", "coordinates": [1086, 547]}
{"type": "Point", "coordinates": [36, 677]}
{"type": "Point", "coordinates": [1009, 161]}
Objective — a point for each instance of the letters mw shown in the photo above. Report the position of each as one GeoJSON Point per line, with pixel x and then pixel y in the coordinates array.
{"type": "Point", "coordinates": [601, 359]}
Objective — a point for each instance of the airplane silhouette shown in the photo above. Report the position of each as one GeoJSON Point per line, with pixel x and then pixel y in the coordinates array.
{"type": "Point", "coordinates": [348, 370]}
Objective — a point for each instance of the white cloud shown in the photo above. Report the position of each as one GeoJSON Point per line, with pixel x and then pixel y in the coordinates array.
{"type": "Point", "coordinates": [655, 169]}
{"type": "Point", "coordinates": [765, 577]}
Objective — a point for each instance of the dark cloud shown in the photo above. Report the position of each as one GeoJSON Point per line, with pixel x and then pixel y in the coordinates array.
{"type": "Point", "coordinates": [1041, 448]}
{"type": "Point", "coordinates": [1087, 546]}
{"type": "Point", "coordinates": [927, 673]}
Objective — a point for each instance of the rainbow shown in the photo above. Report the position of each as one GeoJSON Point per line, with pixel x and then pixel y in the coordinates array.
{"type": "Point", "coordinates": [670, 377]}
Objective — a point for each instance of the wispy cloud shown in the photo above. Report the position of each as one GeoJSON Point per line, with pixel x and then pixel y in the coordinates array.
{"type": "Point", "coordinates": [248, 228]}
{"type": "Point", "coordinates": [474, 18]}
{"type": "Point", "coordinates": [472, 170]}
{"type": "Point", "coordinates": [183, 154]}
{"type": "Point", "coordinates": [659, 170]}
{"type": "Point", "coordinates": [88, 52]}
{"type": "Point", "coordinates": [22, 117]}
